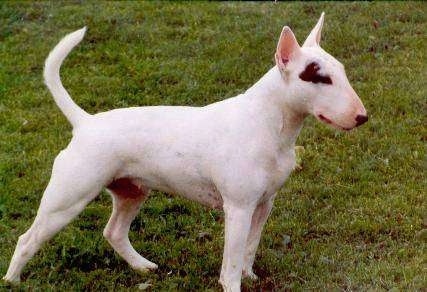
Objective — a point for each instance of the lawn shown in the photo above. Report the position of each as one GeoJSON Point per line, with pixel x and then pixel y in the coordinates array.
{"type": "Point", "coordinates": [353, 217]}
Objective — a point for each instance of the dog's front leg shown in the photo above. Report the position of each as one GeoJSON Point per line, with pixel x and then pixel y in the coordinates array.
{"type": "Point", "coordinates": [237, 226]}
{"type": "Point", "coordinates": [260, 216]}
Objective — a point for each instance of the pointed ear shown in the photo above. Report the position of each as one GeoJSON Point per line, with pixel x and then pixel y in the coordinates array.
{"type": "Point", "coordinates": [313, 38]}
{"type": "Point", "coordinates": [287, 48]}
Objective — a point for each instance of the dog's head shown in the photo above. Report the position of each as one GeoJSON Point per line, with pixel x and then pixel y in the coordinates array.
{"type": "Point", "coordinates": [318, 80]}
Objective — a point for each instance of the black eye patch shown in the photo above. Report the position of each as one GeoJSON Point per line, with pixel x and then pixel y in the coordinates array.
{"type": "Point", "coordinates": [310, 74]}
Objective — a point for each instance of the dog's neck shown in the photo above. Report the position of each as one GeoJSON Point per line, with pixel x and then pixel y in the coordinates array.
{"type": "Point", "coordinates": [277, 99]}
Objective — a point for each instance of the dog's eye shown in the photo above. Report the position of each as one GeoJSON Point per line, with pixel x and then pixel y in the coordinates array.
{"type": "Point", "coordinates": [310, 74]}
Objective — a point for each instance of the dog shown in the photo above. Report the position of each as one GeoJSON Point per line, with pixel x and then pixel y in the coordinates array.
{"type": "Point", "coordinates": [233, 155]}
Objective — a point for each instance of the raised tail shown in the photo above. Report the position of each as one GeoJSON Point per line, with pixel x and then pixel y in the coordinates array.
{"type": "Point", "coordinates": [53, 81]}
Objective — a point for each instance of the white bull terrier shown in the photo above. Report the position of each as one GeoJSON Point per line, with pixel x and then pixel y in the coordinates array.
{"type": "Point", "coordinates": [234, 154]}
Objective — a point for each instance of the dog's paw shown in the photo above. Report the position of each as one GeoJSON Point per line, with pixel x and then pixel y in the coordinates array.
{"type": "Point", "coordinates": [11, 280]}
{"type": "Point", "coordinates": [249, 274]}
{"type": "Point", "coordinates": [144, 268]}
{"type": "Point", "coordinates": [141, 270]}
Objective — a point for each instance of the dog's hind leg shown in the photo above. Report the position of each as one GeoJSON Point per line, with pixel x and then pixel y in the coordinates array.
{"type": "Point", "coordinates": [76, 180]}
{"type": "Point", "coordinates": [127, 195]}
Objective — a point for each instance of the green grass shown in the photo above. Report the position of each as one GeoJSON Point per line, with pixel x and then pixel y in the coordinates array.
{"type": "Point", "coordinates": [355, 212]}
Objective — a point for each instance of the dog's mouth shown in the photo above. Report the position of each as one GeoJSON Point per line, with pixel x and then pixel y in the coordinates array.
{"type": "Point", "coordinates": [329, 122]}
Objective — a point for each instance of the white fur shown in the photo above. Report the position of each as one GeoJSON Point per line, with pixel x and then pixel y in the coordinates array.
{"type": "Point", "coordinates": [234, 154]}
{"type": "Point", "coordinates": [51, 76]}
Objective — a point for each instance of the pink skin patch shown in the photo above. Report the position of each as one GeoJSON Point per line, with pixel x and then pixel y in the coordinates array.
{"type": "Point", "coordinates": [328, 121]}
{"type": "Point", "coordinates": [125, 188]}
{"type": "Point", "coordinates": [325, 119]}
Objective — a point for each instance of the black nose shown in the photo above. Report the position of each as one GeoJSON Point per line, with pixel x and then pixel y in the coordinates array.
{"type": "Point", "coordinates": [361, 119]}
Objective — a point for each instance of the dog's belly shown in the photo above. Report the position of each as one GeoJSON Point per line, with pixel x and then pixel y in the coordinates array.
{"type": "Point", "coordinates": [175, 181]}
{"type": "Point", "coordinates": [203, 193]}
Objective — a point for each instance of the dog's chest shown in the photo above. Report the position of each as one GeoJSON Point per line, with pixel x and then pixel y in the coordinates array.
{"type": "Point", "coordinates": [280, 169]}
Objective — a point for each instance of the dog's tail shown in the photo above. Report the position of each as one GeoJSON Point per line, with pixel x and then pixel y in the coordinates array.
{"type": "Point", "coordinates": [53, 81]}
